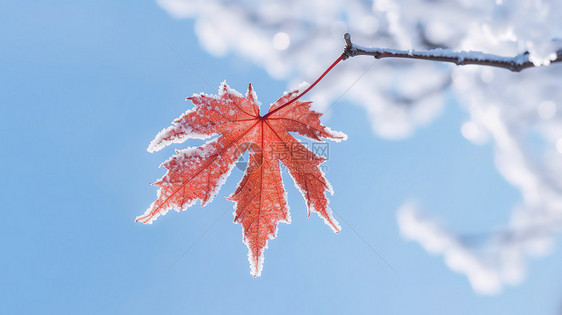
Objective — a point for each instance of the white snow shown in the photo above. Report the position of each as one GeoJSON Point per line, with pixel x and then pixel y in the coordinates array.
{"type": "Point", "coordinates": [281, 41]}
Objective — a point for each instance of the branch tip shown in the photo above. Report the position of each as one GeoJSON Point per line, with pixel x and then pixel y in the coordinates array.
{"type": "Point", "coordinates": [347, 38]}
{"type": "Point", "coordinates": [347, 51]}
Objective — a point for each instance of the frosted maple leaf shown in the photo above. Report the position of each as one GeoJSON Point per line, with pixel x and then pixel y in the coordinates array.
{"type": "Point", "coordinates": [197, 173]}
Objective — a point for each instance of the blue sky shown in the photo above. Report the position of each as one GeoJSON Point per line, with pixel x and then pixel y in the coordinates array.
{"type": "Point", "coordinates": [85, 87]}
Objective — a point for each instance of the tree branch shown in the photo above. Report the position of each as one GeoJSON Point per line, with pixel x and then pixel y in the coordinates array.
{"type": "Point", "coordinates": [516, 64]}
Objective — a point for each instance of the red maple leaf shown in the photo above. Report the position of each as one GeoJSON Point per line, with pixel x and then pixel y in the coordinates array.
{"type": "Point", "coordinates": [260, 199]}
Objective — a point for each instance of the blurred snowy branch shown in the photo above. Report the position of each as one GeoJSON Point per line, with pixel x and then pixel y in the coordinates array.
{"type": "Point", "coordinates": [500, 260]}
{"type": "Point", "coordinates": [518, 113]}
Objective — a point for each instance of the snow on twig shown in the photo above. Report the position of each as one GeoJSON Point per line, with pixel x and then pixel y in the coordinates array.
{"type": "Point", "coordinates": [460, 58]}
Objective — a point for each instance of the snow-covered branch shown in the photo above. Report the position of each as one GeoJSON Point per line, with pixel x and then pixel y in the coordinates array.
{"type": "Point", "coordinates": [460, 58]}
